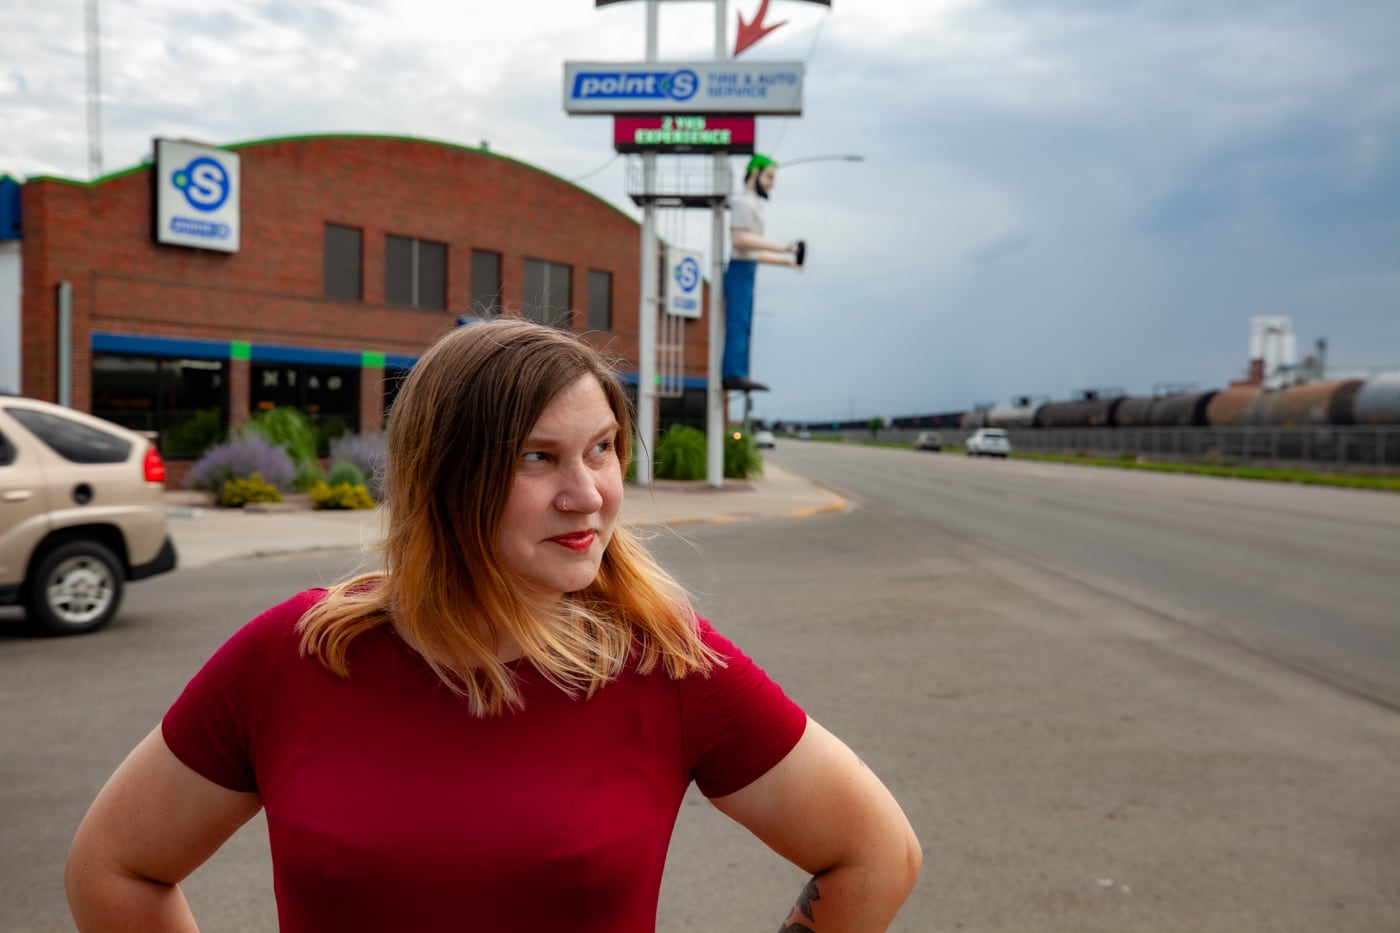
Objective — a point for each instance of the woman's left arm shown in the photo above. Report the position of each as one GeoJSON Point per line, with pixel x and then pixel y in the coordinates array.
{"type": "Point", "coordinates": [823, 810]}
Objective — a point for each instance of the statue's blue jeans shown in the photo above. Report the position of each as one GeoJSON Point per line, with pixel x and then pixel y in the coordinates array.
{"type": "Point", "coordinates": [739, 278]}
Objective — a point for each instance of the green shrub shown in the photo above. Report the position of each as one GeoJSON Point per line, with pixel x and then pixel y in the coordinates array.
{"type": "Point", "coordinates": [289, 429]}
{"type": "Point", "coordinates": [341, 496]}
{"type": "Point", "coordinates": [194, 435]}
{"type": "Point", "coordinates": [345, 472]}
{"type": "Point", "coordinates": [681, 454]}
{"type": "Point", "coordinates": [238, 492]}
{"type": "Point", "coordinates": [741, 456]}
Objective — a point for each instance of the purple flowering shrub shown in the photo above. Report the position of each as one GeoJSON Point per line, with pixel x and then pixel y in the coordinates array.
{"type": "Point", "coordinates": [240, 458]}
{"type": "Point", "coordinates": [365, 451]}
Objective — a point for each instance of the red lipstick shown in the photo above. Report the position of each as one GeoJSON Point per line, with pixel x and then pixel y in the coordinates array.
{"type": "Point", "coordinates": [578, 541]}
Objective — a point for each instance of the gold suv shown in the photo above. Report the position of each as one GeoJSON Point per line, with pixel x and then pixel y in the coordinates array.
{"type": "Point", "coordinates": [81, 512]}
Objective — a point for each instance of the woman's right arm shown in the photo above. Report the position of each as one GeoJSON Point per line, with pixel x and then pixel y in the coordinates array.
{"type": "Point", "coordinates": [153, 823]}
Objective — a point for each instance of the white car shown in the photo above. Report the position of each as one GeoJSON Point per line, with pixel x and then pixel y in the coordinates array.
{"type": "Point", "coordinates": [764, 439]}
{"type": "Point", "coordinates": [989, 442]}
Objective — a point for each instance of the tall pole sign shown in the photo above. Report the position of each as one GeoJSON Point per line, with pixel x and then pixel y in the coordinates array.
{"type": "Point", "coordinates": [684, 108]}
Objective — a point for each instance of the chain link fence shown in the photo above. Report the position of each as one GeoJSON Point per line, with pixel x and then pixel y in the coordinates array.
{"type": "Point", "coordinates": [1350, 447]}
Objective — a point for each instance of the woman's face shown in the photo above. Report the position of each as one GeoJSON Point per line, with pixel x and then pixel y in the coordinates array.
{"type": "Point", "coordinates": [566, 494]}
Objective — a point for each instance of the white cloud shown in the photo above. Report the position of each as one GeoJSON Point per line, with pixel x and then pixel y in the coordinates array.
{"type": "Point", "coordinates": [1055, 191]}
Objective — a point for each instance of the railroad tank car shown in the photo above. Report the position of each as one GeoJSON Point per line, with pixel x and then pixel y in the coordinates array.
{"type": "Point", "coordinates": [1085, 413]}
{"type": "Point", "coordinates": [1307, 405]}
{"type": "Point", "coordinates": [1378, 401]}
{"type": "Point", "coordinates": [1180, 411]}
{"type": "Point", "coordinates": [1232, 406]}
{"type": "Point", "coordinates": [974, 419]}
{"type": "Point", "coordinates": [1011, 416]}
{"type": "Point", "coordinates": [1133, 411]}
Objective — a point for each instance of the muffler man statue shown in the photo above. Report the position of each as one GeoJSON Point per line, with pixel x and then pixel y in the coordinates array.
{"type": "Point", "coordinates": [748, 248]}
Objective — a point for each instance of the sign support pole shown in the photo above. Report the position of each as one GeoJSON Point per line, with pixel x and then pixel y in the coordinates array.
{"type": "Point", "coordinates": [714, 392]}
{"type": "Point", "coordinates": [647, 310]}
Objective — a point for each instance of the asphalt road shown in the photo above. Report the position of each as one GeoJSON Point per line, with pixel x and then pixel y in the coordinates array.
{"type": "Point", "coordinates": [1306, 576]}
{"type": "Point", "coordinates": [1074, 757]}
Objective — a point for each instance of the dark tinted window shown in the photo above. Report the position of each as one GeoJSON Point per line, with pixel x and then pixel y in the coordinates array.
{"type": "Point", "coordinates": [186, 400]}
{"type": "Point", "coordinates": [393, 381]}
{"type": "Point", "coordinates": [329, 396]}
{"type": "Point", "coordinates": [415, 273]}
{"type": "Point", "coordinates": [547, 298]}
{"type": "Point", "coordinates": [341, 262]}
{"type": "Point", "coordinates": [599, 300]}
{"type": "Point", "coordinates": [486, 282]}
{"type": "Point", "coordinates": [72, 441]}
{"type": "Point", "coordinates": [432, 275]}
{"type": "Point", "coordinates": [7, 452]}
{"type": "Point", "coordinates": [398, 271]}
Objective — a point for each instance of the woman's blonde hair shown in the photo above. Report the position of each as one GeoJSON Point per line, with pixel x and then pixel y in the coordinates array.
{"type": "Point", "coordinates": [455, 436]}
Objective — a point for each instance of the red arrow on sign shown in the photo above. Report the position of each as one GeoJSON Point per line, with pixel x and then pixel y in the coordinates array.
{"type": "Point", "coordinates": [752, 31]}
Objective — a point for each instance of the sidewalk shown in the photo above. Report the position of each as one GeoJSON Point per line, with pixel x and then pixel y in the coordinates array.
{"type": "Point", "coordinates": [206, 535]}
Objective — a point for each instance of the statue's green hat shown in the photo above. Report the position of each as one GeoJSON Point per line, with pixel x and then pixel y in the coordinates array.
{"type": "Point", "coordinates": [758, 163]}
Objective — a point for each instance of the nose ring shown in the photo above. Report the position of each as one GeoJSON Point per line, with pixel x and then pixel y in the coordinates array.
{"type": "Point", "coordinates": [562, 504]}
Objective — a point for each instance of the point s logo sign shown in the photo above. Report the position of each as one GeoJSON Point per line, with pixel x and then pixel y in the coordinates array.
{"type": "Point", "coordinates": [636, 85]}
{"type": "Point", "coordinates": [683, 88]}
{"type": "Point", "coordinates": [683, 273]}
{"type": "Point", "coordinates": [204, 182]}
{"type": "Point", "coordinates": [197, 196]}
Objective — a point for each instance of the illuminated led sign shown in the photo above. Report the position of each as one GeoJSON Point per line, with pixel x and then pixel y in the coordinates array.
{"type": "Point", "coordinates": [683, 133]}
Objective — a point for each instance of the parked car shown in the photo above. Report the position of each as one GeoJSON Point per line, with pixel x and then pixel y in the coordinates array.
{"type": "Point", "coordinates": [765, 439]}
{"type": "Point", "coordinates": [988, 442]}
{"type": "Point", "coordinates": [928, 440]}
{"type": "Point", "coordinates": [82, 512]}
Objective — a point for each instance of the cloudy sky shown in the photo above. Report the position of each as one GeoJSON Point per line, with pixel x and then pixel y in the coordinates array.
{"type": "Point", "coordinates": [1055, 194]}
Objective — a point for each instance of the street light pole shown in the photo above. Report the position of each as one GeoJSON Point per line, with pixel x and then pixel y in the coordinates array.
{"type": "Point", "coordinates": [787, 163]}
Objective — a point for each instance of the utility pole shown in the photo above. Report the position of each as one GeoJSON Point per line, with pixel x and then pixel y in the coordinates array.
{"type": "Point", "coordinates": [715, 408]}
{"type": "Point", "coordinates": [647, 309]}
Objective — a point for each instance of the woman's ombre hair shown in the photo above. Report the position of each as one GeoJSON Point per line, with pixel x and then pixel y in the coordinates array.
{"type": "Point", "coordinates": [455, 437]}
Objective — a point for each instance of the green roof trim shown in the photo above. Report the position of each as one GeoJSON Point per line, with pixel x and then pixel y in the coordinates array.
{"type": "Point", "coordinates": [110, 176]}
{"type": "Point", "coordinates": [307, 137]}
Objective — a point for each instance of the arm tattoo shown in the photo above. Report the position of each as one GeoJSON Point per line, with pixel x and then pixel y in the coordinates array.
{"type": "Point", "coordinates": [803, 907]}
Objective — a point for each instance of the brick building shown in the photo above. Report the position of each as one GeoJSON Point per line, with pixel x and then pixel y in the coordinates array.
{"type": "Point", "coordinates": [354, 252]}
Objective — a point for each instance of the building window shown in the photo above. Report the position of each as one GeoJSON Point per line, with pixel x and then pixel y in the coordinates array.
{"type": "Point", "coordinates": [393, 382]}
{"type": "Point", "coordinates": [329, 396]}
{"type": "Point", "coordinates": [547, 293]}
{"type": "Point", "coordinates": [486, 282]}
{"type": "Point", "coordinates": [415, 273]}
{"type": "Point", "coordinates": [184, 400]}
{"type": "Point", "coordinates": [341, 262]}
{"type": "Point", "coordinates": [599, 300]}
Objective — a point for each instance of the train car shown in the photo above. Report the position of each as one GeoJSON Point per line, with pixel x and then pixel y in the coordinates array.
{"type": "Point", "coordinates": [1307, 405]}
{"type": "Point", "coordinates": [972, 420]}
{"type": "Point", "coordinates": [1011, 416]}
{"type": "Point", "coordinates": [1180, 411]}
{"type": "Point", "coordinates": [1134, 411]}
{"type": "Point", "coordinates": [1085, 413]}
{"type": "Point", "coordinates": [1232, 406]}
{"type": "Point", "coordinates": [947, 419]}
{"type": "Point", "coordinates": [1378, 401]}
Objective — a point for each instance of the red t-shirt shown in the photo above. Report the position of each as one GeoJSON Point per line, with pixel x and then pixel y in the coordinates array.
{"type": "Point", "coordinates": [390, 807]}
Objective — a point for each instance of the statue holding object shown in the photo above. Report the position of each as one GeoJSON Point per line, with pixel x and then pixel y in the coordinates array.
{"type": "Point", "coordinates": [748, 248]}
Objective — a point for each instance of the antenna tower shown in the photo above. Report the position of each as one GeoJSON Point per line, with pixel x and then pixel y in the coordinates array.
{"type": "Point", "coordinates": [94, 88]}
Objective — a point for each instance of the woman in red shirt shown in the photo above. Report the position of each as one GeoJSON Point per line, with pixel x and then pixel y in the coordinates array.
{"type": "Point", "coordinates": [495, 731]}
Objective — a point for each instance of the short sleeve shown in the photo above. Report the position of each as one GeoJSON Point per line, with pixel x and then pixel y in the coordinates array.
{"type": "Point", "coordinates": [743, 215]}
{"type": "Point", "coordinates": [211, 727]}
{"type": "Point", "coordinates": [738, 723]}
